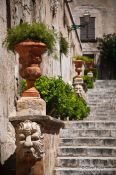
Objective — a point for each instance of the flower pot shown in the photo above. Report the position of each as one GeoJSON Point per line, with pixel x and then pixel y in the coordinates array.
{"type": "Point", "coordinates": [90, 67]}
{"type": "Point", "coordinates": [78, 67]}
{"type": "Point", "coordinates": [30, 57]}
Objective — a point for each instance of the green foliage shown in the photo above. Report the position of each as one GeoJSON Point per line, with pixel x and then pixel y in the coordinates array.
{"type": "Point", "coordinates": [83, 58]}
{"type": "Point", "coordinates": [35, 31]}
{"type": "Point", "coordinates": [107, 46]}
{"type": "Point", "coordinates": [88, 81]}
{"type": "Point", "coordinates": [22, 86]}
{"type": "Point", "coordinates": [61, 99]}
{"type": "Point", "coordinates": [64, 45]}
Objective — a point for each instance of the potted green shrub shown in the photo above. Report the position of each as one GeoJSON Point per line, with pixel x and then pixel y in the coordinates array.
{"type": "Point", "coordinates": [80, 60]}
{"type": "Point", "coordinates": [83, 58]}
{"type": "Point", "coordinates": [30, 41]}
{"type": "Point", "coordinates": [38, 32]}
{"type": "Point", "coordinates": [61, 99]}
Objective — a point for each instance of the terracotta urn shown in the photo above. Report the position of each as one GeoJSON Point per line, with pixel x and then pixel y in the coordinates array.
{"type": "Point", "coordinates": [90, 65]}
{"type": "Point", "coordinates": [78, 67]}
{"type": "Point", "coordinates": [30, 58]}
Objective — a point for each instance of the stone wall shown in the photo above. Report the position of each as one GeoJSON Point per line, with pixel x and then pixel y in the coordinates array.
{"type": "Point", "coordinates": [12, 13]}
{"type": "Point", "coordinates": [7, 87]}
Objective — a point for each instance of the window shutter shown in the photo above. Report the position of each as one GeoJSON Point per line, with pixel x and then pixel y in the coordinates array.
{"type": "Point", "coordinates": [87, 33]}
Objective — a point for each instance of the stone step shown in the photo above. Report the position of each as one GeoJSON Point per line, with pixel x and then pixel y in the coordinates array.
{"type": "Point", "coordinates": [98, 114]}
{"type": "Point", "coordinates": [105, 83]}
{"type": "Point", "coordinates": [86, 162]}
{"type": "Point", "coordinates": [88, 141]}
{"type": "Point", "coordinates": [103, 107]}
{"type": "Point", "coordinates": [69, 133]}
{"type": "Point", "coordinates": [91, 124]}
{"type": "Point", "coordinates": [84, 171]}
{"type": "Point", "coordinates": [102, 94]}
{"type": "Point", "coordinates": [101, 90]}
{"type": "Point", "coordinates": [103, 113]}
{"type": "Point", "coordinates": [109, 90]}
{"type": "Point", "coordinates": [83, 151]}
{"type": "Point", "coordinates": [100, 117]}
{"type": "Point", "coordinates": [102, 102]}
{"type": "Point", "coordinates": [101, 98]}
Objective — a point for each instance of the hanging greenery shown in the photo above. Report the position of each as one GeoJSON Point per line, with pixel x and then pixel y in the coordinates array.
{"type": "Point", "coordinates": [64, 45]}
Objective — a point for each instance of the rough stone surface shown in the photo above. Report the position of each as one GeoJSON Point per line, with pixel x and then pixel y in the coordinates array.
{"type": "Point", "coordinates": [31, 106]}
{"type": "Point", "coordinates": [8, 88]}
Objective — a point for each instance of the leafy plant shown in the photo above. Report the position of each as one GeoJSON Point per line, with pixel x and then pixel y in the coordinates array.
{"type": "Point", "coordinates": [64, 45]}
{"type": "Point", "coordinates": [88, 81]}
{"type": "Point", "coordinates": [61, 99]}
{"type": "Point", "coordinates": [35, 31]}
{"type": "Point", "coordinates": [83, 58]}
{"type": "Point", "coordinates": [22, 86]}
{"type": "Point", "coordinates": [107, 46]}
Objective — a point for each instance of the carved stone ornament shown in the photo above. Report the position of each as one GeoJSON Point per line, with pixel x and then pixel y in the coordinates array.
{"type": "Point", "coordinates": [54, 6]}
{"type": "Point", "coordinates": [30, 139]}
{"type": "Point", "coordinates": [80, 92]}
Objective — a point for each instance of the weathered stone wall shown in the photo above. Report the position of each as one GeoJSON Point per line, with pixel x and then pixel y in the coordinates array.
{"type": "Point", "coordinates": [7, 87]}
{"type": "Point", "coordinates": [29, 11]}
{"type": "Point", "coordinates": [51, 145]}
{"type": "Point", "coordinates": [104, 12]}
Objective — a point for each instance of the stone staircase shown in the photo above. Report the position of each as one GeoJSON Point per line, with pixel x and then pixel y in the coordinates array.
{"type": "Point", "coordinates": [88, 147]}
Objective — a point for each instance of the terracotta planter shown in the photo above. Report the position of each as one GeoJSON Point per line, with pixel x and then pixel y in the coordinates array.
{"type": "Point", "coordinates": [30, 57]}
{"type": "Point", "coordinates": [90, 66]}
{"type": "Point", "coordinates": [78, 67]}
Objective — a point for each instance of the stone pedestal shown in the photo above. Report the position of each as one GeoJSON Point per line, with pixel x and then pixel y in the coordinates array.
{"type": "Point", "coordinates": [90, 74]}
{"type": "Point", "coordinates": [49, 128]}
{"type": "Point", "coordinates": [78, 80]}
{"type": "Point", "coordinates": [36, 134]}
{"type": "Point", "coordinates": [31, 106]}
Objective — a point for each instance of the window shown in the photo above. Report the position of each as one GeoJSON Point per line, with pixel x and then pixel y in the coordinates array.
{"type": "Point", "coordinates": [87, 32]}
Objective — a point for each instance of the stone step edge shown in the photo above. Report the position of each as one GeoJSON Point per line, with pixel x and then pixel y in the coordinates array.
{"type": "Point", "coordinates": [113, 138]}
{"type": "Point", "coordinates": [85, 147]}
{"type": "Point", "coordinates": [85, 169]}
{"type": "Point", "coordinates": [92, 158]}
{"type": "Point", "coordinates": [91, 121]}
{"type": "Point", "coordinates": [76, 129]}
{"type": "Point", "coordinates": [92, 138]}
